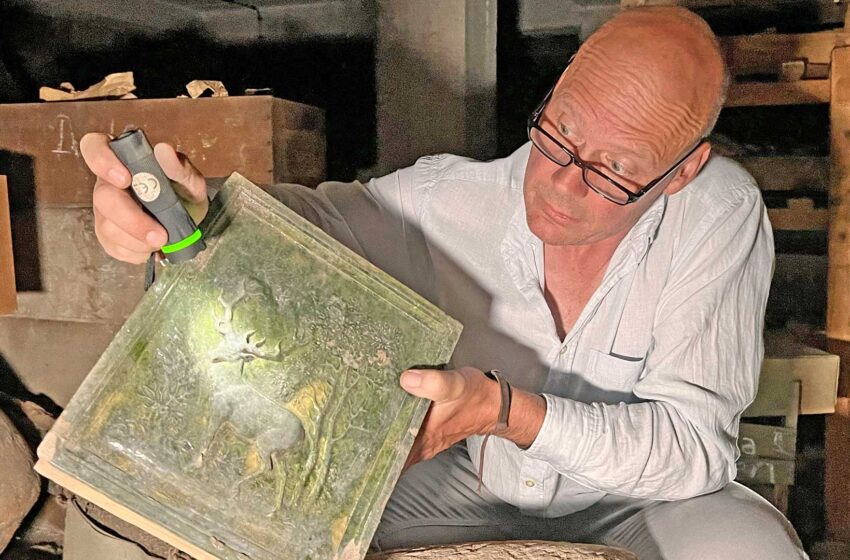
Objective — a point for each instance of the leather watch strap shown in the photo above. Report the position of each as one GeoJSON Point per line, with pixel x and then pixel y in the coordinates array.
{"type": "Point", "coordinates": [501, 420]}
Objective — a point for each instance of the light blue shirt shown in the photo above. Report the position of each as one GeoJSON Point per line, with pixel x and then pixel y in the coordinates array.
{"type": "Point", "coordinates": [645, 393]}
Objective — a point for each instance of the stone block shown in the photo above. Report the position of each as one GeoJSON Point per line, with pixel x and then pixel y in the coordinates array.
{"type": "Point", "coordinates": [19, 484]}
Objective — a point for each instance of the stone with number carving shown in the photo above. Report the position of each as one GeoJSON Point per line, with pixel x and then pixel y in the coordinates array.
{"type": "Point", "coordinates": [250, 406]}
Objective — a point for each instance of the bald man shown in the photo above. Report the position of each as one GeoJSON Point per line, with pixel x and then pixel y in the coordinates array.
{"type": "Point", "coordinates": [611, 270]}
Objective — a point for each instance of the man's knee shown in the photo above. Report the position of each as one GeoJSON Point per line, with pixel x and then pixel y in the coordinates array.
{"type": "Point", "coordinates": [732, 523]}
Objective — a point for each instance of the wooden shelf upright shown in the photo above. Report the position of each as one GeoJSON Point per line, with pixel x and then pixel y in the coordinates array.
{"type": "Point", "coordinates": [812, 68]}
{"type": "Point", "coordinates": [838, 297]}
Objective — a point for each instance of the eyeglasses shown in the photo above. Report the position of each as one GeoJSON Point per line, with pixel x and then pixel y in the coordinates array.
{"type": "Point", "coordinates": [596, 180]}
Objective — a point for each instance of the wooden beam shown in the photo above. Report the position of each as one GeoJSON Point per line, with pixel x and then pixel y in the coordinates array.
{"type": "Point", "coordinates": [800, 215]}
{"type": "Point", "coordinates": [267, 139]}
{"type": "Point", "coordinates": [787, 173]}
{"type": "Point", "coordinates": [8, 296]}
{"type": "Point", "coordinates": [837, 483]}
{"type": "Point", "coordinates": [838, 282]}
{"type": "Point", "coordinates": [837, 444]}
{"type": "Point", "coordinates": [764, 53]}
{"type": "Point", "coordinates": [802, 70]}
{"type": "Point", "coordinates": [803, 92]}
{"type": "Point", "coordinates": [768, 442]}
{"type": "Point", "coordinates": [787, 364]}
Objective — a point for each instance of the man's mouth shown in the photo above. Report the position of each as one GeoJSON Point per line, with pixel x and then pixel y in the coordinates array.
{"type": "Point", "coordinates": [558, 217]}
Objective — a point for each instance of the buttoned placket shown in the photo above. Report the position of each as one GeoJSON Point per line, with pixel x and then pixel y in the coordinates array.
{"type": "Point", "coordinates": [531, 485]}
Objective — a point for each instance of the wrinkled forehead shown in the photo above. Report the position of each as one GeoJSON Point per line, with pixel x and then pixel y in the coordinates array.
{"type": "Point", "coordinates": [615, 103]}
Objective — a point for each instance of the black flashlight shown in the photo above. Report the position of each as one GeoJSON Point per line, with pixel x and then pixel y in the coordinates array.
{"type": "Point", "coordinates": [153, 189]}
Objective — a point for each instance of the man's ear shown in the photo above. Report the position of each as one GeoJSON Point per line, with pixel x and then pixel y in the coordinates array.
{"type": "Point", "coordinates": [688, 170]}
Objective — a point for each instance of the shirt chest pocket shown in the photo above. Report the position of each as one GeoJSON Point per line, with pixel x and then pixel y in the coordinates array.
{"type": "Point", "coordinates": [614, 376]}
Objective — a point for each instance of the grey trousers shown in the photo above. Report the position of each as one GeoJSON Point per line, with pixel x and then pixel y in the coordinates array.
{"type": "Point", "coordinates": [437, 502]}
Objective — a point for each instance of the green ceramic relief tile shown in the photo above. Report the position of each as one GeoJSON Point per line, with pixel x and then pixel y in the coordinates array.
{"type": "Point", "coordinates": [250, 405]}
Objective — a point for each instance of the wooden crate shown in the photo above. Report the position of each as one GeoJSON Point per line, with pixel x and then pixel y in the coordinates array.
{"type": "Point", "coordinates": [267, 140]}
{"type": "Point", "coordinates": [71, 296]}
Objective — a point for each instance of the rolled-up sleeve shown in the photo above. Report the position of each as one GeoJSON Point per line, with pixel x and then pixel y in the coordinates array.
{"type": "Point", "coordinates": [701, 370]}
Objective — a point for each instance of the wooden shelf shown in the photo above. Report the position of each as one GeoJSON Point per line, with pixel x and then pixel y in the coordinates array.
{"type": "Point", "coordinates": [764, 53]}
{"type": "Point", "coordinates": [803, 92]}
{"type": "Point", "coordinates": [788, 173]}
{"type": "Point", "coordinates": [800, 215]}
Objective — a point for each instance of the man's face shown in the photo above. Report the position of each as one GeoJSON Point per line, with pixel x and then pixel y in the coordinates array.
{"type": "Point", "coordinates": [560, 208]}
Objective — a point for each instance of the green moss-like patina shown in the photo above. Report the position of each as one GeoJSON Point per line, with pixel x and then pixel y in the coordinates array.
{"type": "Point", "coordinates": [251, 404]}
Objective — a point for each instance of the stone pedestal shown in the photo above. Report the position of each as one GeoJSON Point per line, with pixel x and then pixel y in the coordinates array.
{"type": "Point", "coordinates": [510, 550]}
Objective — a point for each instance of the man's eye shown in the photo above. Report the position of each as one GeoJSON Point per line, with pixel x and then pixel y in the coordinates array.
{"type": "Point", "coordinates": [617, 167]}
{"type": "Point", "coordinates": [565, 130]}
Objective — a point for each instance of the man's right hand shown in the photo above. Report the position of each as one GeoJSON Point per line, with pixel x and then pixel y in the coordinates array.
{"type": "Point", "coordinates": [123, 228]}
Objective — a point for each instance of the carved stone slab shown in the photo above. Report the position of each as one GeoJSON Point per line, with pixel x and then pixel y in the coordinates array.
{"type": "Point", "coordinates": [250, 406]}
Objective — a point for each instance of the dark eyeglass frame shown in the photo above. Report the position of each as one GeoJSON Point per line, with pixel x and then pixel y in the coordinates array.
{"type": "Point", "coordinates": [534, 123]}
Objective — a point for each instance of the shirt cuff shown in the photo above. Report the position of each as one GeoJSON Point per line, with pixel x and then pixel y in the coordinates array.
{"type": "Point", "coordinates": [567, 434]}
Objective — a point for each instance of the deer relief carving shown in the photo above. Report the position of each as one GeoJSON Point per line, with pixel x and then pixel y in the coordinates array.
{"type": "Point", "coordinates": [269, 428]}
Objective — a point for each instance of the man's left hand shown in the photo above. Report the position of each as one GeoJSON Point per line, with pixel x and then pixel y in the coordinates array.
{"type": "Point", "coordinates": [466, 403]}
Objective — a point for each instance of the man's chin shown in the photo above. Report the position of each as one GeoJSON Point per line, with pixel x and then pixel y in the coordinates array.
{"type": "Point", "coordinates": [553, 234]}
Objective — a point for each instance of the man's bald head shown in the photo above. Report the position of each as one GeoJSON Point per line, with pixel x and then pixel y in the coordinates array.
{"type": "Point", "coordinates": [659, 71]}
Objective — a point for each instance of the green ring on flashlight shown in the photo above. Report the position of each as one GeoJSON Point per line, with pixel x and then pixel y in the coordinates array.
{"type": "Point", "coordinates": [183, 243]}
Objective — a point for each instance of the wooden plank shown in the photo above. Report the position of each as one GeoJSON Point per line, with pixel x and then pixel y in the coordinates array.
{"type": "Point", "coordinates": [767, 442]}
{"type": "Point", "coordinates": [786, 173]}
{"type": "Point", "coordinates": [805, 92]}
{"type": "Point", "coordinates": [801, 215]}
{"type": "Point", "coordinates": [774, 392]}
{"type": "Point", "coordinates": [803, 70]}
{"type": "Point", "coordinates": [838, 290]}
{"type": "Point", "coordinates": [765, 471]}
{"type": "Point", "coordinates": [8, 297]}
{"type": "Point", "coordinates": [841, 348]}
{"type": "Point", "coordinates": [816, 371]}
{"type": "Point", "coordinates": [764, 53]}
{"type": "Point", "coordinates": [39, 143]}
{"type": "Point", "coordinates": [836, 481]}
{"type": "Point", "coordinates": [837, 450]}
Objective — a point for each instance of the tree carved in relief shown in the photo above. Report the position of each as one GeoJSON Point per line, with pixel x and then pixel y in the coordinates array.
{"type": "Point", "coordinates": [355, 349]}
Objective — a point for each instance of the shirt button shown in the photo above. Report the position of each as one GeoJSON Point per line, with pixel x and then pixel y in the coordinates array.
{"type": "Point", "coordinates": [529, 483]}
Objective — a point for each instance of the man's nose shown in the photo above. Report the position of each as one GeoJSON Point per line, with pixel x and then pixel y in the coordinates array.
{"type": "Point", "coordinates": [568, 180]}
